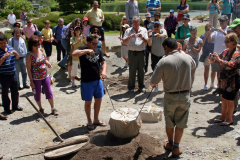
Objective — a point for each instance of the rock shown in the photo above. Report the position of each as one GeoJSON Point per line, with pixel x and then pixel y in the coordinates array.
{"type": "Point", "coordinates": [225, 151]}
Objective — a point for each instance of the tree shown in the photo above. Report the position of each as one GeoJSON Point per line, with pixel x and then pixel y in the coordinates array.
{"type": "Point", "coordinates": [16, 6]}
{"type": "Point", "coordinates": [48, 3]}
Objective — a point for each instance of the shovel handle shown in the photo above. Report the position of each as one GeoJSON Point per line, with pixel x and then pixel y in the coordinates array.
{"type": "Point", "coordinates": [40, 114]}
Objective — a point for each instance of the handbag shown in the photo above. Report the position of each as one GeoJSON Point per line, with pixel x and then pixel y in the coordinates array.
{"type": "Point", "coordinates": [179, 17]}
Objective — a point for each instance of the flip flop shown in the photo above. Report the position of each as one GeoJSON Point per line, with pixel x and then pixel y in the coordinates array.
{"type": "Point", "coordinates": [107, 55]}
{"type": "Point", "coordinates": [100, 124]}
{"type": "Point", "coordinates": [225, 124]}
{"type": "Point", "coordinates": [218, 121]}
{"type": "Point", "coordinates": [90, 126]}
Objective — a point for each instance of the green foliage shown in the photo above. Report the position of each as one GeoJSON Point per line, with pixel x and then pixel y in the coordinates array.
{"type": "Point", "coordinates": [16, 6]}
{"type": "Point", "coordinates": [49, 3]}
{"type": "Point", "coordinates": [45, 10]}
{"type": "Point", "coordinates": [112, 22]}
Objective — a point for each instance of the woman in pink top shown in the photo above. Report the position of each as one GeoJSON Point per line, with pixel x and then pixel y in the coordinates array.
{"type": "Point", "coordinates": [37, 71]}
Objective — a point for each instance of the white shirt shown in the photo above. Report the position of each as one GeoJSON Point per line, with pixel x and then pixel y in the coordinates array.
{"type": "Point", "coordinates": [219, 39]}
{"type": "Point", "coordinates": [11, 18]}
{"type": "Point", "coordinates": [136, 43]}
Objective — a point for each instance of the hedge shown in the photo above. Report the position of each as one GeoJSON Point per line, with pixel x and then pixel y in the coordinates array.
{"type": "Point", "coordinates": [112, 22]}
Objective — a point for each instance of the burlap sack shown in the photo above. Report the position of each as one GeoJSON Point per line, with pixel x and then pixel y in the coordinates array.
{"type": "Point", "coordinates": [123, 122]}
{"type": "Point", "coordinates": [151, 114]}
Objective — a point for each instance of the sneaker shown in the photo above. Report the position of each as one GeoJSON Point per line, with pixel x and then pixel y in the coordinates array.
{"type": "Point", "coordinates": [52, 80]}
{"type": "Point", "coordinates": [214, 86]}
{"type": "Point", "coordinates": [73, 84]}
{"type": "Point", "coordinates": [216, 91]}
{"type": "Point", "coordinates": [54, 112]}
{"type": "Point", "coordinates": [142, 90]}
{"type": "Point", "coordinates": [131, 90]}
{"type": "Point", "coordinates": [177, 151]}
{"type": "Point", "coordinates": [156, 89]}
{"type": "Point", "coordinates": [206, 87]}
{"type": "Point", "coordinates": [125, 66]}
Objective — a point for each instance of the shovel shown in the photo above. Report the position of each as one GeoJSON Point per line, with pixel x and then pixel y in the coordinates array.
{"type": "Point", "coordinates": [67, 146]}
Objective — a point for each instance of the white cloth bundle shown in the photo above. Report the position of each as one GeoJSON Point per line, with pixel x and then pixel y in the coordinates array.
{"type": "Point", "coordinates": [151, 114]}
{"type": "Point", "coordinates": [123, 122]}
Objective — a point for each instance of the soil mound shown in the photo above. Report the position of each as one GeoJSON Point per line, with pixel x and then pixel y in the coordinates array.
{"type": "Point", "coordinates": [104, 145]}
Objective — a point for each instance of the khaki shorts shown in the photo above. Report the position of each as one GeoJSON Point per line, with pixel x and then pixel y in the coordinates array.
{"type": "Point", "coordinates": [216, 67]}
{"type": "Point", "coordinates": [206, 62]}
{"type": "Point", "coordinates": [176, 109]}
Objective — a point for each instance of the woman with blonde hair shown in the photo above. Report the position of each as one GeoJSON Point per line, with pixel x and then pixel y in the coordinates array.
{"type": "Point", "coordinates": [229, 61]}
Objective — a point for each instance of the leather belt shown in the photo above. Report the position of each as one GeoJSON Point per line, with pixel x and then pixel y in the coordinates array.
{"type": "Point", "coordinates": [184, 91]}
{"type": "Point", "coordinates": [21, 57]}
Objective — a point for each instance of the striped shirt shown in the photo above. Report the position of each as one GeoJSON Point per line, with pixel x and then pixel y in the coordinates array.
{"type": "Point", "coordinates": [153, 4]}
{"type": "Point", "coordinates": [8, 65]}
{"type": "Point", "coordinates": [236, 9]}
{"type": "Point", "coordinates": [136, 43]}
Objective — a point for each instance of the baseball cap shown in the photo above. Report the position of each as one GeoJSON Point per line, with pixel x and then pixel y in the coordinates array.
{"type": "Point", "coordinates": [37, 33]}
{"type": "Point", "coordinates": [85, 19]}
{"type": "Point", "coordinates": [223, 18]}
{"type": "Point", "coordinates": [148, 14]}
{"type": "Point", "coordinates": [125, 26]}
{"type": "Point", "coordinates": [16, 24]}
{"type": "Point", "coordinates": [171, 11]}
{"type": "Point", "coordinates": [77, 27]}
{"type": "Point", "coordinates": [235, 23]}
{"type": "Point", "coordinates": [157, 22]}
{"type": "Point", "coordinates": [186, 16]}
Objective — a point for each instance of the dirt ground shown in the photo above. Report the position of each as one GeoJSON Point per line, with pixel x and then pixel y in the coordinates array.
{"type": "Point", "coordinates": [24, 135]}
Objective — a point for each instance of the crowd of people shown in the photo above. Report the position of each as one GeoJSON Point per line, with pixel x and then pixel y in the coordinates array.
{"type": "Point", "coordinates": [173, 60]}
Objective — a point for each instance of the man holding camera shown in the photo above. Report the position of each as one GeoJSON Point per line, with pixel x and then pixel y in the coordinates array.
{"type": "Point", "coordinates": [136, 37]}
{"type": "Point", "coordinates": [218, 35]}
{"type": "Point", "coordinates": [8, 75]}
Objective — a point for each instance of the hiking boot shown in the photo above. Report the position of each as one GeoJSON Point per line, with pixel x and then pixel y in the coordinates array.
{"type": "Point", "coordinates": [168, 146]}
{"type": "Point", "coordinates": [54, 112]}
{"type": "Point", "coordinates": [41, 111]}
{"type": "Point", "coordinates": [176, 151]}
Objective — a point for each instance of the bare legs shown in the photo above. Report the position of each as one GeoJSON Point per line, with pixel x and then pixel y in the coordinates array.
{"type": "Point", "coordinates": [50, 102]}
{"type": "Point", "coordinates": [104, 48]}
{"type": "Point", "coordinates": [69, 72]}
{"type": "Point", "coordinates": [206, 72]}
{"type": "Point", "coordinates": [192, 76]}
{"type": "Point", "coordinates": [227, 110]}
{"type": "Point", "coordinates": [177, 136]}
{"type": "Point", "coordinates": [97, 105]}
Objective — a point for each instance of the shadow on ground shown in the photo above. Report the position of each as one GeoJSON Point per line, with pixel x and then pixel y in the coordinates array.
{"type": "Point", "coordinates": [34, 117]}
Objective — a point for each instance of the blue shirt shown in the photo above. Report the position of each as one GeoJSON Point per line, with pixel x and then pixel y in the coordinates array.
{"type": "Point", "coordinates": [8, 65]}
{"type": "Point", "coordinates": [153, 4]}
{"type": "Point", "coordinates": [227, 7]}
{"type": "Point", "coordinates": [58, 31]}
{"type": "Point", "coordinates": [213, 7]}
{"type": "Point", "coordinates": [19, 46]}
{"type": "Point", "coordinates": [99, 45]}
{"type": "Point", "coordinates": [182, 8]}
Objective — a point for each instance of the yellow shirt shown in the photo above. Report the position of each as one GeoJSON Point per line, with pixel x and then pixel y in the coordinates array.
{"type": "Point", "coordinates": [47, 33]}
{"type": "Point", "coordinates": [95, 16]}
{"type": "Point", "coordinates": [74, 40]}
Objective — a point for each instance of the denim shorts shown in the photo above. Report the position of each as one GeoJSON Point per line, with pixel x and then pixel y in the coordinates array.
{"type": "Point", "coordinates": [90, 89]}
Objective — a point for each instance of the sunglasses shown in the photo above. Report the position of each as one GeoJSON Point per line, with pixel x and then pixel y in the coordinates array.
{"type": "Point", "coordinates": [29, 22]}
{"type": "Point", "coordinates": [36, 45]}
{"type": "Point", "coordinates": [221, 21]}
{"type": "Point", "coordinates": [184, 19]}
{"type": "Point", "coordinates": [95, 33]}
{"type": "Point", "coordinates": [77, 29]}
{"type": "Point", "coordinates": [226, 41]}
{"type": "Point", "coordinates": [94, 44]}
{"type": "Point", "coordinates": [155, 26]}
{"type": "Point", "coordinates": [207, 29]}
{"type": "Point", "coordinates": [95, 5]}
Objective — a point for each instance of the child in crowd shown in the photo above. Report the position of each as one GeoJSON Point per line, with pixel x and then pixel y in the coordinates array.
{"type": "Point", "coordinates": [77, 41]}
{"type": "Point", "coordinates": [86, 26]}
{"type": "Point", "coordinates": [124, 47]}
{"type": "Point", "coordinates": [147, 23]}
{"type": "Point", "coordinates": [123, 22]}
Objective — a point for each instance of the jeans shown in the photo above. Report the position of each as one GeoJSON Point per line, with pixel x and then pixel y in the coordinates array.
{"type": "Point", "coordinates": [9, 81]}
{"type": "Point", "coordinates": [20, 65]}
{"type": "Point", "coordinates": [235, 15]}
{"type": "Point", "coordinates": [60, 49]}
{"type": "Point", "coordinates": [64, 60]}
{"type": "Point", "coordinates": [48, 48]}
{"type": "Point", "coordinates": [23, 22]}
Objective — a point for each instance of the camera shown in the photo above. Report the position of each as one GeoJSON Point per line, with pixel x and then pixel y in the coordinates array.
{"type": "Point", "coordinates": [136, 35]}
{"type": "Point", "coordinates": [215, 29]}
{"type": "Point", "coordinates": [212, 56]}
{"type": "Point", "coordinates": [11, 53]}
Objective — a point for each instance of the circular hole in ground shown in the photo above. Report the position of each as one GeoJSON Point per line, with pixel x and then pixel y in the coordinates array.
{"type": "Point", "coordinates": [108, 139]}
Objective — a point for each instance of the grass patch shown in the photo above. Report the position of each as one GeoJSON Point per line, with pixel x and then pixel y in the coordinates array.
{"type": "Point", "coordinates": [111, 33]}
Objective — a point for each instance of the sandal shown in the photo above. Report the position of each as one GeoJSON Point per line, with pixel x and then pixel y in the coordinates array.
{"type": "Point", "coordinates": [107, 55]}
{"type": "Point", "coordinates": [100, 124]}
{"type": "Point", "coordinates": [90, 126]}
{"type": "Point", "coordinates": [218, 121]}
{"type": "Point", "coordinates": [1, 157]}
{"type": "Point", "coordinates": [2, 117]}
{"type": "Point", "coordinates": [226, 124]}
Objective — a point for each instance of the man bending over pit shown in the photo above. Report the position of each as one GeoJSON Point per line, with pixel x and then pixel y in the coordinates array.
{"type": "Point", "coordinates": [91, 84]}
